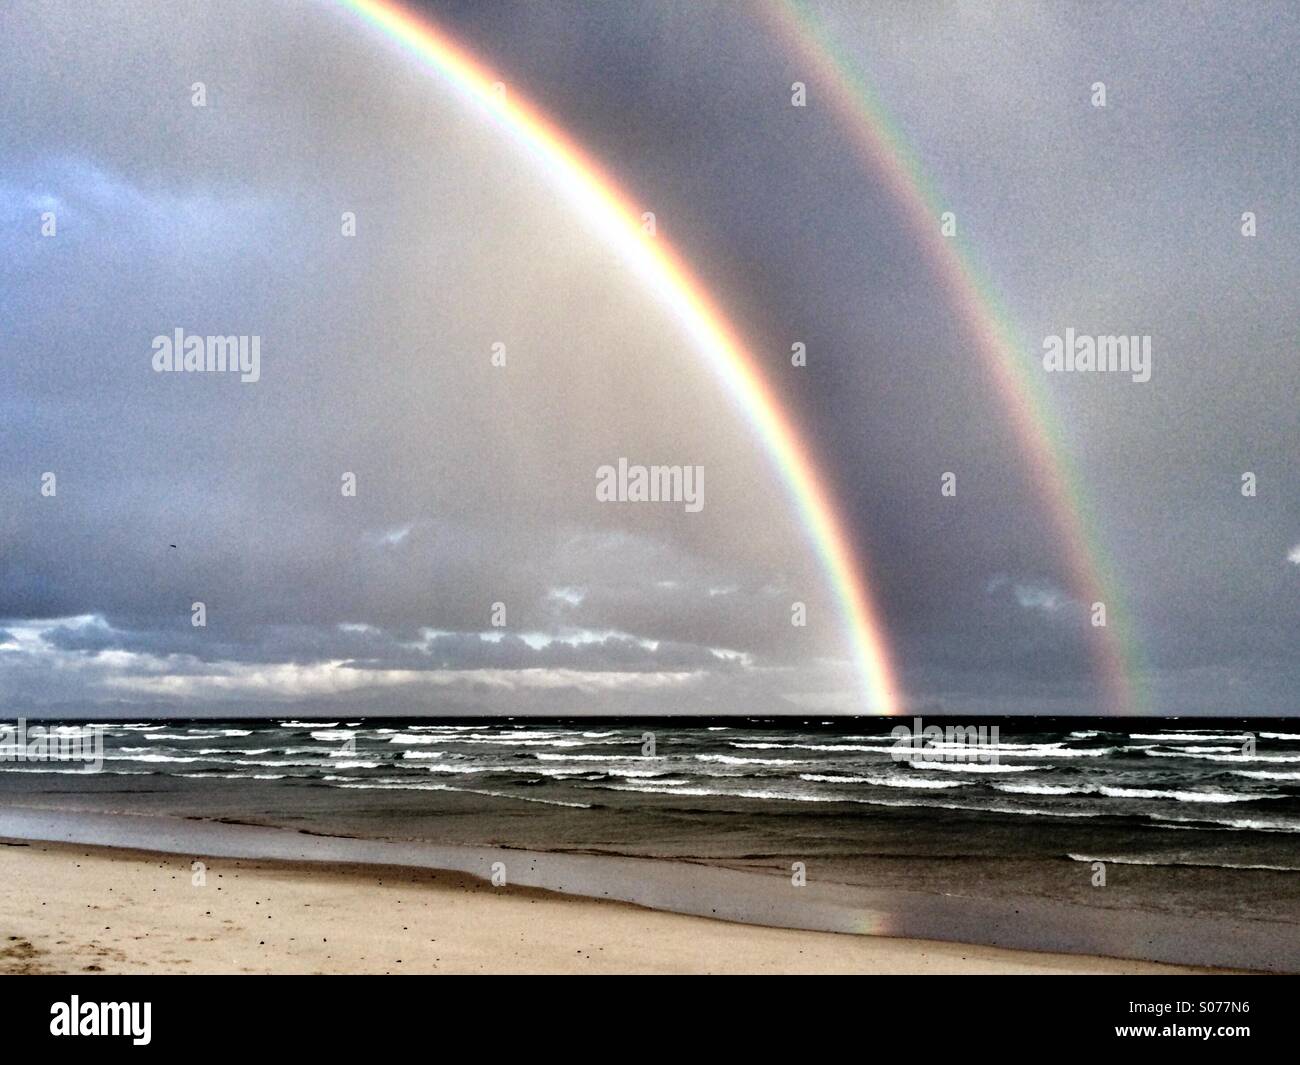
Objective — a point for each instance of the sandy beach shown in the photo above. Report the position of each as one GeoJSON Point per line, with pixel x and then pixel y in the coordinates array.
{"type": "Point", "coordinates": [77, 909]}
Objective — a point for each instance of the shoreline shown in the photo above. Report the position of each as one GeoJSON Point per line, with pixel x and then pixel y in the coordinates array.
{"type": "Point", "coordinates": [738, 899]}
{"type": "Point", "coordinates": [146, 914]}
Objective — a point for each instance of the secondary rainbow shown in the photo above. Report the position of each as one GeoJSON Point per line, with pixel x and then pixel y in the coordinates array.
{"type": "Point", "coordinates": [604, 206]}
{"type": "Point", "coordinates": [831, 78]}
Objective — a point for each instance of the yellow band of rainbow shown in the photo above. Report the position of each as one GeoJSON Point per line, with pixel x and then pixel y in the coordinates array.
{"type": "Point", "coordinates": [834, 82]}
{"type": "Point", "coordinates": [605, 206]}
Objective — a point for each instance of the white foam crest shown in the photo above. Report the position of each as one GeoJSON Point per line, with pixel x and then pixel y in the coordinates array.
{"type": "Point", "coordinates": [1265, 774]}
{"type": "Point", "coordinates": [1040, 789]}
{"type": "Point", "coordinates": [976, 767]}
{"type": "Point", "coordinates": [731, 759]}
{"type": "Point", "coordinates": [1188, 736]}
{"type": "Point", "coordinates": [886, 782]}
{"type": "Point", "coordinates": [1180, 796]}
{"type": "Point", "coordinates": [1257, 824]}
{"type": "Point", "coordinates": [1175, 861]}
{"type": "Point", "coordinates": [1288, 758]}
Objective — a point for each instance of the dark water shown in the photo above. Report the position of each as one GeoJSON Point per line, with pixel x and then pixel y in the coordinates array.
{"type": "Point", "coordinates": [1158, 777]}
{"type": "Point", "coordinates": [1197, 831]}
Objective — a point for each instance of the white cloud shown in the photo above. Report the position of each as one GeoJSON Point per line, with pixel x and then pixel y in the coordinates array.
{"type": "Point", "coordinates": [1029, 594]}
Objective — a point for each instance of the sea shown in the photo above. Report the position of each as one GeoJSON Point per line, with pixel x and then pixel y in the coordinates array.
{"type": "Point", "coordinates": [1242, 778]}
{"type": "Point", "coordinates": [1168, 840]}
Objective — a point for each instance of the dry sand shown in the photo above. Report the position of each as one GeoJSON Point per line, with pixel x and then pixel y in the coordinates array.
{"type": "Point", "coordinates": [76, 909]}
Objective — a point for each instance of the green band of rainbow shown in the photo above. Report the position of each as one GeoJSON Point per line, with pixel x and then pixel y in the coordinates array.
{"type": "Point", "coordinates": [603, 205]}
{"type": "Point", "coordinates": [883, 148]}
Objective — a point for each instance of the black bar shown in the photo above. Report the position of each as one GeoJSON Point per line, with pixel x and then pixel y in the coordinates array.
{"type": "Point", "coordinates": [378, 1015]}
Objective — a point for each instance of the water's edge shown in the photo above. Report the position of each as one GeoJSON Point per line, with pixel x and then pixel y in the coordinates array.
{"type": "Point", "coordinates": [710, 891]}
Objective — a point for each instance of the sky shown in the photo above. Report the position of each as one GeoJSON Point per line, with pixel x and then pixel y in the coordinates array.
{"type": "Point", "coordinates": [475, 570]}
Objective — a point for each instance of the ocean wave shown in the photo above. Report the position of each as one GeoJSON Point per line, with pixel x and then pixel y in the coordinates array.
{"type": "Point", "coordinates": [154, 758]}
{"type": "Point", "coordinates": [216, 750]}
{"type": "Point", "coordinates": [487, 741]}
{"type": "Point", "coordinates": [1176, 861]}
{"type": "Point", "coordinates": [405, 786]}
{"type": "Point", "coordinates": [1264, 774]}
{"type": "Point", "coordinates": [903, 751]}
{"type": "Point", "coordinates": [1205, 750]}
{"type": "Point", "coordinates": [1255, 824]}
{"type": "Point", "coordinates": [181, 737]}
{"type": "Point", "coordinates": [227, 762]}
{"type": "Point", "coordinates": [1019, 751]}
{"type": "Point", "coordinates": [700, 792]}
{"type": "Point", "coordinates": [545, 757]}
{"type": "Point", "coordinates": [957, 745]}
{"type": "Point", "coordinates": [976, 767]}
{"type": "Point", "coordinates": [884, 782]}
{"type": "Point", "coordinates": [193, 734]}
{"type": "Point", "coordinates": [519, 734]}
{"type": "Point", "coordinates": [233, 776]}
{"type": "Point", "coordinates": [87, 769]}
{"type": "Point", "coordinates": [1181, 796]}
{"type": "Point", "coordinates": [1188, 736]}
{"type": "Point", "coordinates": [634, 774]}
{"type": "Point", "coordinates": [436, 728]}
{"type": "Point", "coordinates": [732, 759]}
{"type": "Point", "coordinates": [1286, 758]}
{"type": "Point", "coordinates": [466, 770]}
{"type": "Point", "coordinates": [859, 800]}
{"type": "Point", "coordinates": [481, 741]}
{"type": "Point", "coordinates": [1040, 789]}
{"type": "Point", "coordinates": [830, 747]}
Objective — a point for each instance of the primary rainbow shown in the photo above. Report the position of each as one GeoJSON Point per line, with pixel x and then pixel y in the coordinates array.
{"type": "Point", "coordinates": [607, 208]}
{"type": "Point", "coordinates": [833, 79]}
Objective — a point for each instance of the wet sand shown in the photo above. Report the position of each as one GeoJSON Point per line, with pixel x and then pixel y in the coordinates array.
{"type": "Point", "coordinates": [743, 897]}
{"type": "Point", "coordinates": [78, 909]}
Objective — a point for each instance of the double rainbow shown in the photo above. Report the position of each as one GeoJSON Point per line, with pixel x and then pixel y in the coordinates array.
{"type": "Point", "coordinates": [885, 151]}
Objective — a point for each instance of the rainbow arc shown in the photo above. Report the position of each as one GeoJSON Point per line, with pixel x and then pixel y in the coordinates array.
{"type": "Point", "coordinates": [604, 205]}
